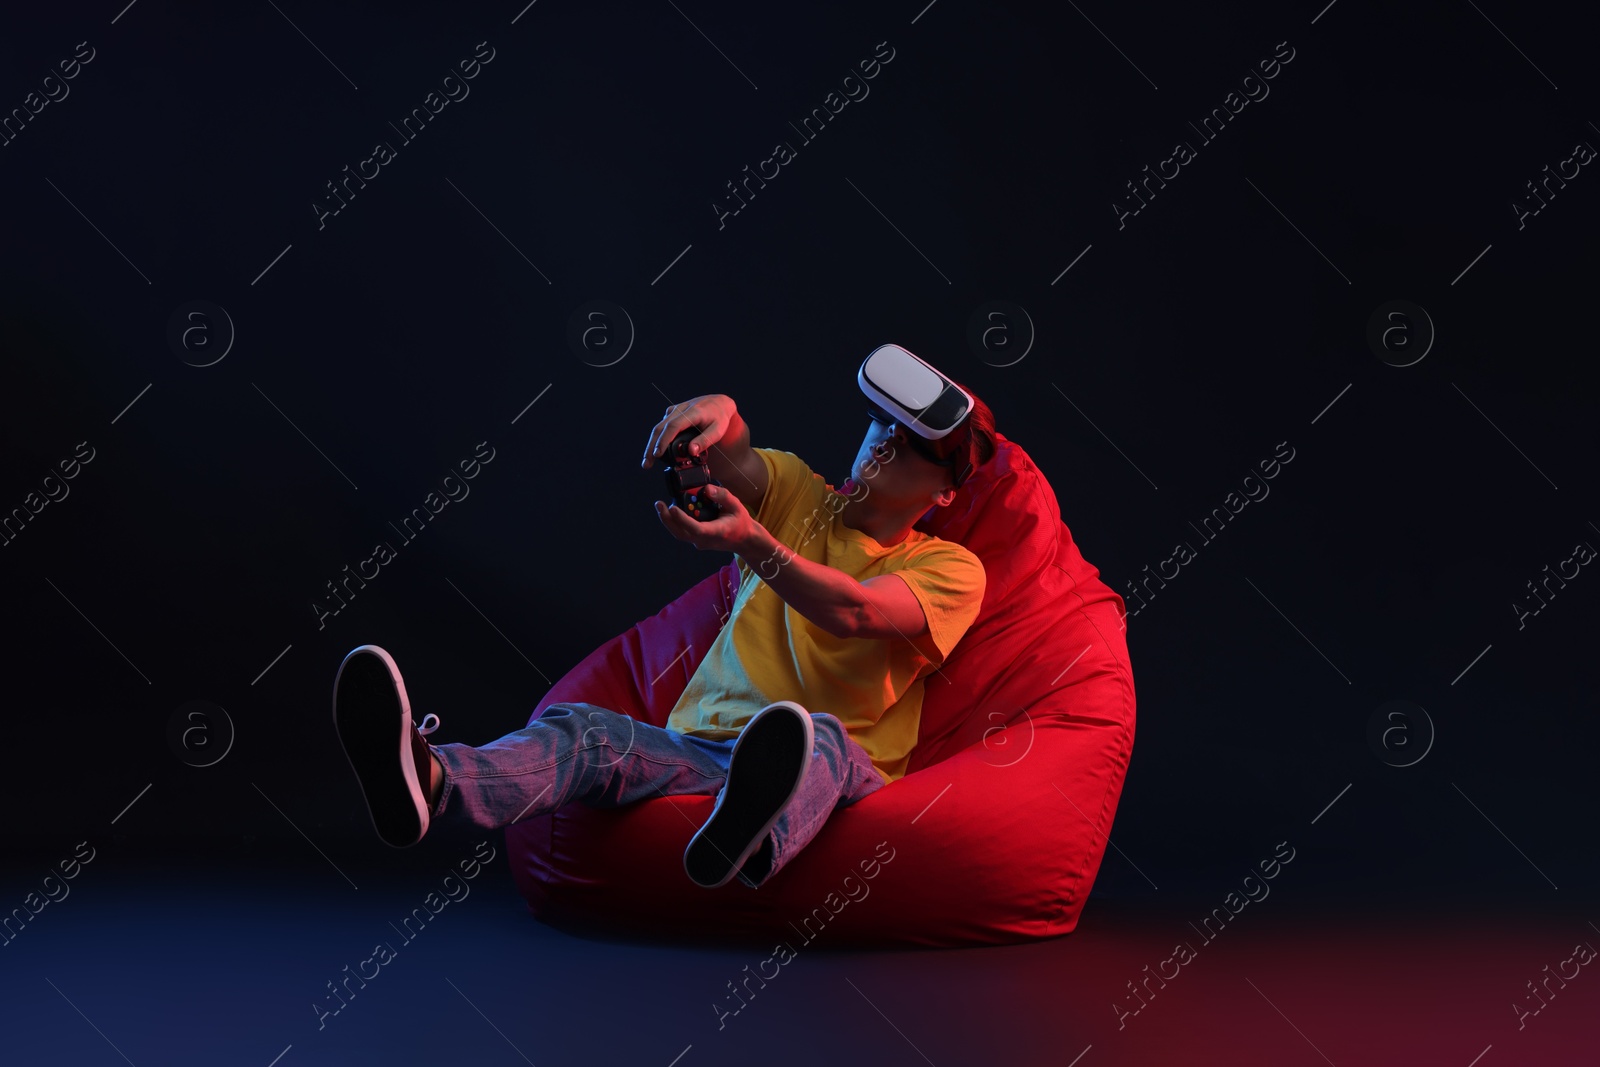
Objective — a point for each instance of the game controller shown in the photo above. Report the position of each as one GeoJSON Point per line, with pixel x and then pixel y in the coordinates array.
{"type": "Point", "coordinates": [687, 477]}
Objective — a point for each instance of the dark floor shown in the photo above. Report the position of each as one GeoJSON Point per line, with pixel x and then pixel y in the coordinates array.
{"type": "Point", "coordinates": [228, 962]}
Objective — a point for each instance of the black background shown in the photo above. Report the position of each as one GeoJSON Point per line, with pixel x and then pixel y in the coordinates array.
{"type": "Point", "coordinates": [1220, 321]}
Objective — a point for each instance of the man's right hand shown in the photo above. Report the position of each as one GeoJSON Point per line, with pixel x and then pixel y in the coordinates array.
{"type": "Point", "coordinates": [712, 413]}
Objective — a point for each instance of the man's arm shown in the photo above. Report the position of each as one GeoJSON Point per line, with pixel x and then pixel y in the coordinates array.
{"type": "Point", "coordinates": [879, 608]}
{"type": "Point", "coordinates": [735, 464]}
{"type": "Point", "coordinates": [729, 458]}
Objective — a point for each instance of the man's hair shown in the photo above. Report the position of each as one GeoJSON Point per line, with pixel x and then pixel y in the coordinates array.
{"type": "Point", "coordinates": [981, 420]}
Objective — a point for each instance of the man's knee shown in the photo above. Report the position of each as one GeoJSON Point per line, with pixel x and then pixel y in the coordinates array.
{"type": "Point", "coordinates": [591, 726]}
{"type": "Point", "coordinates": [602, 727]}
{"type": "Point", "coordinates": [831, 721]}
{"type": "Point", "coordinates": [823, 723]}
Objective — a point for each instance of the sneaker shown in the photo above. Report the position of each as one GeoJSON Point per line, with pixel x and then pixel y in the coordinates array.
{"type": "Point", "coordinates": [769, 761]}
{"type": "Point", "coordinates": [385, 748]}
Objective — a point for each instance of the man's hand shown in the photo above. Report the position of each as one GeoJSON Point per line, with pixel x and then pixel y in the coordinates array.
{"type": "Point", "coordinates": [732, 531]}
{"type": "Point", "coordinates": [711, 413]}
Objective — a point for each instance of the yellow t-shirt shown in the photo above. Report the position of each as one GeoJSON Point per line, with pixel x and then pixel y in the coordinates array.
{"type": "Point", "coordinates": [767, 651]}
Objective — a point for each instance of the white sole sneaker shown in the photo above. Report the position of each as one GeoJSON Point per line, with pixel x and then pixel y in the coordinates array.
{"type": "Point", "coordinates": [769, 762]}
{"type": "Point", "coordinates": [372, 717]}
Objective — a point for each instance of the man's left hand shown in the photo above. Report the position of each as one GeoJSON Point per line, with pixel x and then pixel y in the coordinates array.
{"type": "Point", "coordinates": [733, 530]}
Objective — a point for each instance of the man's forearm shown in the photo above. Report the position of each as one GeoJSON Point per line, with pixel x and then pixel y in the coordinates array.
{"type": "Point", "coordinates": [826, 597]}
{"type": "Point", "coordinates": [722, 457]}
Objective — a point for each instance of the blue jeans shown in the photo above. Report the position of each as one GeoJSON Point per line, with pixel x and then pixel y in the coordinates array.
{"type": "Point", "coordinates": [578, 751]}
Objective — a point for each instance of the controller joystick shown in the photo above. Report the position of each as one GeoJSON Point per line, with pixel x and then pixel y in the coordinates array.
{"type": "Point", "coordinates": [687, 476]}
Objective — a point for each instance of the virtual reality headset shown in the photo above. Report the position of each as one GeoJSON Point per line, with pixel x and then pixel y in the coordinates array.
{"type": "Point", "coordinates": [904, 390]}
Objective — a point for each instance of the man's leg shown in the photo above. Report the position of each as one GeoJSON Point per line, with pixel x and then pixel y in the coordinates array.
{"type": "Point", "coordinates": [573, 751]}
{"type": "Point", "coordinates": [841, 773]}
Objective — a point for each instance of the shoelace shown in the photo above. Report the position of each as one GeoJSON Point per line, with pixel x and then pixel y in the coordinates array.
{"type": "Point", "coordinates": [427, 728]}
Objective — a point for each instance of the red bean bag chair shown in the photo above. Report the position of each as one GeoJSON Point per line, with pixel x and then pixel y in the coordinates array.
{"type": "Point", "coordinates": [993, 835]}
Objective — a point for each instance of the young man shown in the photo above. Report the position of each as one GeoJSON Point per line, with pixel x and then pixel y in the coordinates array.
{"type": "Point", "coordinates": [842, 608]}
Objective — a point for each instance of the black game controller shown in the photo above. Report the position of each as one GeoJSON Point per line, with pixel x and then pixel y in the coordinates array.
{"type": "Point", "coordinates": [687, 477]}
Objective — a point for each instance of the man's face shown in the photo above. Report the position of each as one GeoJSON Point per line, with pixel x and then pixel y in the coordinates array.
{"type": "Point", "coordinates": [887, 466]}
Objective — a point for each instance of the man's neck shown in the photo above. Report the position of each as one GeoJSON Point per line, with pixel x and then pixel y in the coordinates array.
{"type": "Point", "coordinates": [886, 528]}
